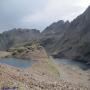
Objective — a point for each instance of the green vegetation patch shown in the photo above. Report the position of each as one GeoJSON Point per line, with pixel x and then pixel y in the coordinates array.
{"type": "Point", "coordinates": [53, 67]}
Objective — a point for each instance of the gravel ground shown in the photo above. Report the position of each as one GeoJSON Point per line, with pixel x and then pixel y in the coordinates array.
{"type": "Point", "coordinates": [40, 76]}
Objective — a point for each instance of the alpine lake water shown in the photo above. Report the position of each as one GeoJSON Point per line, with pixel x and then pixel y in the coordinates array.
{"type": "Point", "coordinates": [21, 63]}
{"type": "Point", "coordinates": [24, 63]}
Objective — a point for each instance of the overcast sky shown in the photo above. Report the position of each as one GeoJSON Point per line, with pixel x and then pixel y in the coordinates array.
{"type": "Point", "coordinates": [38, 13]}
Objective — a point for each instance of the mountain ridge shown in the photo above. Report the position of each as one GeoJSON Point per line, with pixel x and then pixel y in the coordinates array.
{"type": "Point", "coordinates": [17, 36]}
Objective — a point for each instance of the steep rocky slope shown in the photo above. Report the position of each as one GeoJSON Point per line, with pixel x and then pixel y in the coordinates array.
{"type": "Point", "coordinates": [69, 40]}
{"type": "Point", "coordinates": [52, 34]}
{"type": "Point", "coordinates": [56, 28]}
{"type": "Point", "coordinates": [75, 43]}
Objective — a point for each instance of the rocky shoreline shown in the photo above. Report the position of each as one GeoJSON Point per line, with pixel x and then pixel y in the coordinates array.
{"type": "Point", "coordinates": [4, 54]}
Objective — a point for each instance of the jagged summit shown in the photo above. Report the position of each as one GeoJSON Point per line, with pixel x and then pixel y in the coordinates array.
{"type": "Point", "coordinates": [56, 27]}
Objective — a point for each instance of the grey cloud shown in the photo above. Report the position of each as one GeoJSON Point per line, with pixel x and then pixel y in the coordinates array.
{"type": "Point", "coordinates": [37, 13]}
{"type": "Point", "coordinates": [12, 11]}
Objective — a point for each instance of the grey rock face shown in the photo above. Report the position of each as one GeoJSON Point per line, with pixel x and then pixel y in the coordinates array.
{"type": "Point", "coordinates": [17, 36]}
{"type": "Point", "coordinates": [52, 34]}
{"type": "Point", "coordinates": [56, 29]}
{"type": "Point", "coordinates": [75, 43]}
{"type": "Point", "coordinates": [69, 40]}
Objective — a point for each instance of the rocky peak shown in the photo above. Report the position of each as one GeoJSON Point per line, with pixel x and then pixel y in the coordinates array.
{"type": "Point", "coordinates": [56, 27]}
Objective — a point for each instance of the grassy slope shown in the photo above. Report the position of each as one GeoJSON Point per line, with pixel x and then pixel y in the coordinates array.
{"type": "Point", "coordinates": [51, 65]}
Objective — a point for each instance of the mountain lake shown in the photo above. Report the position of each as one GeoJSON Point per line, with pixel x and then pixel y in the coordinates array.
{"type": "Point", "coordinates": [21, 63]}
